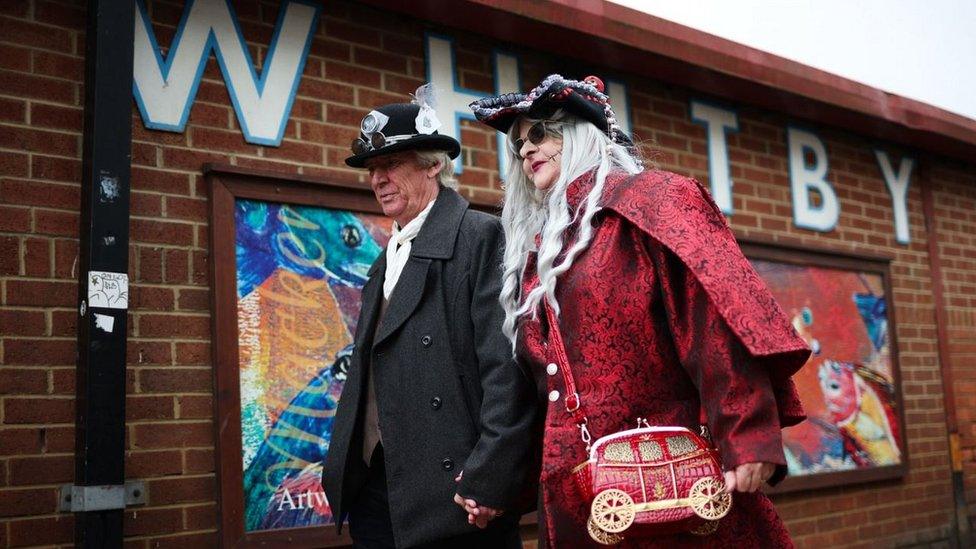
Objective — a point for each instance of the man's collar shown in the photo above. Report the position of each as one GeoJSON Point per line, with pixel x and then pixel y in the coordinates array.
{"type": "Point", "coordinates": [439, 233]}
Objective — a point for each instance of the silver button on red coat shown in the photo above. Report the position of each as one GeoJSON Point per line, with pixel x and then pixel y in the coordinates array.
{"type": "Point", "coordinates": [553, 396]}
{"type": "Point", "coordinates": [552, 369]}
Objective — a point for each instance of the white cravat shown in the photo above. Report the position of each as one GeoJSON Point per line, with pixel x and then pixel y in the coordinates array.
{"type": "Point", "coordinates": [398, 250]}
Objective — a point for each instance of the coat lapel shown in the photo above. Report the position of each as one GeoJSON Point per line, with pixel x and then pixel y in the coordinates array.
{"type": "Point", "coordinates": [405, 298]}
{"type": "Point", "coordinates": [434, 242]}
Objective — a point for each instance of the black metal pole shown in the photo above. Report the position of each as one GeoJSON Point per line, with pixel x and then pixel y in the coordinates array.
{"type": "Point", "coordinates": [103, 277]}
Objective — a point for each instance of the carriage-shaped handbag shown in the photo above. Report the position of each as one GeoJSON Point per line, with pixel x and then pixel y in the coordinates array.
{"type": "Point", "coordinates": [644, 481]}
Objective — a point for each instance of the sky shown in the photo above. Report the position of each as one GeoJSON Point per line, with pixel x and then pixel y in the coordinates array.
{"type": "Point", "coordinates": [921, 49]}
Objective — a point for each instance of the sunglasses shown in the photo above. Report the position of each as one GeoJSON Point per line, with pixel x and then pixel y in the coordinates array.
{"type": "Point", "coordinates": [536, 135]}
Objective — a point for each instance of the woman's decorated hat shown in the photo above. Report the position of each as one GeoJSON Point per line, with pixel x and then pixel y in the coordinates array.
{"type": "Point", "coordinates": [583, 98]}
{"type": "Point", "coordinates": [402, 127]}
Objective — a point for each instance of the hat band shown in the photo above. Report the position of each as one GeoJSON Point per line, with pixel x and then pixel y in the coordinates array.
{"type": "Point", "coordinates": [376, 142]}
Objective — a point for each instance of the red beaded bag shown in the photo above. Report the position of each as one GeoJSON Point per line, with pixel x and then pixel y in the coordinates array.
{"type": "Point", "coordinates": [644, 481]}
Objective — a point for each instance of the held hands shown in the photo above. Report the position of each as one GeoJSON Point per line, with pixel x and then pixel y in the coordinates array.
{"type": "Point", "coordinates": [478, 515]}
{"type": "Point", "coordinates": [748, 477]}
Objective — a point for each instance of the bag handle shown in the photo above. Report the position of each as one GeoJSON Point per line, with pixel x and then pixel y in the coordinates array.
{"type": "Point", "coordinates": [573, 402]}
{"type": "Point", "coordinates": [574, 405]}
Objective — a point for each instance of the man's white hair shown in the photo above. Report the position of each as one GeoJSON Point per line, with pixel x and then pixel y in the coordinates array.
{"type": "Point", "coordinates": [528, 212]}
{"type": "Point", "coordinates": [426, 159]}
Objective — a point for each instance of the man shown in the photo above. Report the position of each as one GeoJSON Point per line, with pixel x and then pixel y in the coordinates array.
{"type": "Point", "coordinates": [434, 407]}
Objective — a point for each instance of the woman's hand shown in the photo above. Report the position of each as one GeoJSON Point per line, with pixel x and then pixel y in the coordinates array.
{"type": "Point", "coordinates": [748, 477]}
{"type": "Point", "coordinates": [479, 515]}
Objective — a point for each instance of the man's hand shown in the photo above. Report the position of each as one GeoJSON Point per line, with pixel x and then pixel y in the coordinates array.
{"type": "Point", "coordinates": [748, 477]}
{"type": "Point", "coordinates": [479, 515]}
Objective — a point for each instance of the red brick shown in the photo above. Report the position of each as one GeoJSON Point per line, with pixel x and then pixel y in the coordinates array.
{"type": "Point", "coordinates": [194, 300]}
{"type": "Point", "coordinates": [58, 529]}
{"type": "Point", "coordinates": [190, 209]}
{"type": "Point", "coordinates": [40, 141]}
{"type": "Point", "coordinates": [147, 298]}
{"type": "Point", "coordinates": [180, 490]}
{"type": "Point", "coordinates": [310, 110]}
{"type": "Point", "coordinates": [28, 471]}
{"type": "Point", "coordinates": [63, 381]}
{"type": "Point", "coordinates": [36, 36]}
{"type": "Point", "coordinates": [299, 151]}
{"type": "Point", "coordinates": [146, 407]}
{"type": "Point", "coordinates": [188, 354]}
{"type": "Point", "coordinates": [196, 540]}
{"type": "Point", "coordinates": [41, 88]}
{"type": "Point", "coordinates": [36, 293]}
{"type": "Point", "coordinates": [15, 219]}
{"type": "Point", "coordinates": [38, 410]}
{"type": "Point", "coordinates": [182, 326]}
{"type": "Point", "coordinates": [37, 257]}
{"type": "Point", "coordinates": [188, 159]}
{"type": "Point", "coordinates": [353, 74]}
{"type": "Point", "coordinates": [149, 352]}
{"type": "Point", "coordinates": [32, 193]}
{"type": "Point", "coordinates": [153, 464]}
{"type": "Point", "coordinates": [370, 99]}
{"type": "Point", "coordinates": [207, 139]}
{"type": "Point", "coordinates": [14, 57]}
{"type": "Point", "coordinates": [52, 116]}
{"type": "Point", "coordinates": [213, 116]}
{"type": "Point", "coordinates": [64, 323]}
{"type": "Point", "coordinates": [145, 205]}
{"type": "Point", "coordinates": [56, 222]}
{"type": "Point", "coordinates": [144, 522]}
{"type": "Point", "coordinates": [39, 351]}
{"type": "Point", "coordinates": [10, 255]}
{"type": "Point", "coordinates": [22, 381]}
{"type": "Point", "coordinates": [177, 266]}
{"type": "Point", "coordinates": [359, 34]}
{"type": "Point", "coordinates": [61, 15]}
{"type": "Point", "coordinates": [56, 169]}
{"type": "Point", "coordinates": [143, 154]}
{"type": "Point", "coordinates": [155, 231]}
{"type": "Point", "coordinates": [199, 273]}
{"type": "Point", "coordinates": [15, 322]}
{"type": "Point", "coordinates": [65, 258]}
{"type": "Point", "coordinates": [199, 461]}
{"type": "Point", "coordinates": [325, 91]}
{"type": "Point", "coordinates": [59, 439]}
{"type": "Point", "coordinates": [195, 407]}
{"type": "Point", "coordinates": [201, 517]}
{"type": "Point", "coordinates": [331, 49]}
{"type": "Point", "coordinates": [175, 380]}
{"type": "Point", "coordinates": [150, 264]}
{"type": "Point", "coordinates": [17, 502]}
{"type": "Point", "coordinates": [13, 110]}
{"type": "Point", "coordinates": [173, 435]}
{"type": "Point", "coordinates": [21, 441]}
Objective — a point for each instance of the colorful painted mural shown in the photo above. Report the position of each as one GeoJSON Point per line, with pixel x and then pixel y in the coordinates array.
{"type": "Point", "coordinates": [848, 385]}
{"type": "Point", "coordinates": [300, 272]}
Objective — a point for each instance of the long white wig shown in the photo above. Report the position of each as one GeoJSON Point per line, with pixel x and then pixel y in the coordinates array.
{"type": "Point", "coordinates": [528, 212]}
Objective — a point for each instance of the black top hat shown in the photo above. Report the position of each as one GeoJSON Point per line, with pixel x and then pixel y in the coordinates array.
{"type": "Point", "coordinates": [583, 98]}
{"type": "Point", "coordinates": [399, 127]}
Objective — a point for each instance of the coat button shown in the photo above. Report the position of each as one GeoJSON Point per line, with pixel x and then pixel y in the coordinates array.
{"type": "Point", "coordinates": [435, 403]}
{"type": "Point", "coordinates": [447, 464]}
{"type": "Point", "coordinates": [426, 340]}
{"type": "Point", "coordinates": [553, 396]}
{"type": "Point", "coordinates": [552, 369]}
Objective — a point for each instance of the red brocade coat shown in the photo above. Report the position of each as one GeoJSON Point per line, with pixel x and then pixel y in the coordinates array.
{"type": "Point", "coordinates": [661, 315]}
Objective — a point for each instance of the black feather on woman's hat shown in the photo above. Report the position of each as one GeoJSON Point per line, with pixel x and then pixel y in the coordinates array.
{"type": "Point", "coordinates": [583, 98]}
{"type": "Point", "coordinates": [402, 127]}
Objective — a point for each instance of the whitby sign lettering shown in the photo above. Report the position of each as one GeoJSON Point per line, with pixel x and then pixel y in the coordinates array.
{"type": "Point", "coordinates": [165, 88]}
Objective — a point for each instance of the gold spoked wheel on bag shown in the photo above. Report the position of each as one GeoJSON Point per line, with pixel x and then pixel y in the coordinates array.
{"type": "Point", "coordinates": [601, 537]}
{"type": "Point", "coordinates": [612, 511]}
{"type": "Point", "coordinates": [709, 499]}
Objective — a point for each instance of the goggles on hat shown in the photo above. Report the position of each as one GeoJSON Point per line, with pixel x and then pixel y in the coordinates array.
{"type": "Point", "coordinates": [375, 141]}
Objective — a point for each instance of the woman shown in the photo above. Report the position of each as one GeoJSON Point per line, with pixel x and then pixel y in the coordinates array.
{"type": "Point", "coordinates": [661, 315]}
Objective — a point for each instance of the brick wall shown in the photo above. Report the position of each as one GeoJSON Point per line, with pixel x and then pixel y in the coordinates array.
{"type": "Point", "coordinates": [360, 59]}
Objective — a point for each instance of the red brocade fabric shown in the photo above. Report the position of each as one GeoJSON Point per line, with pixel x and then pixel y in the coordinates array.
{"type": "Point", "coordinates": [661, 316]}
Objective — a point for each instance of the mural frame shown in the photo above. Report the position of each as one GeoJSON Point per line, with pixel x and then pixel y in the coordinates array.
{"type": "Point", "coordinates": [871, 264]}
{"type": "Point", "coordinates": [227, 184]}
